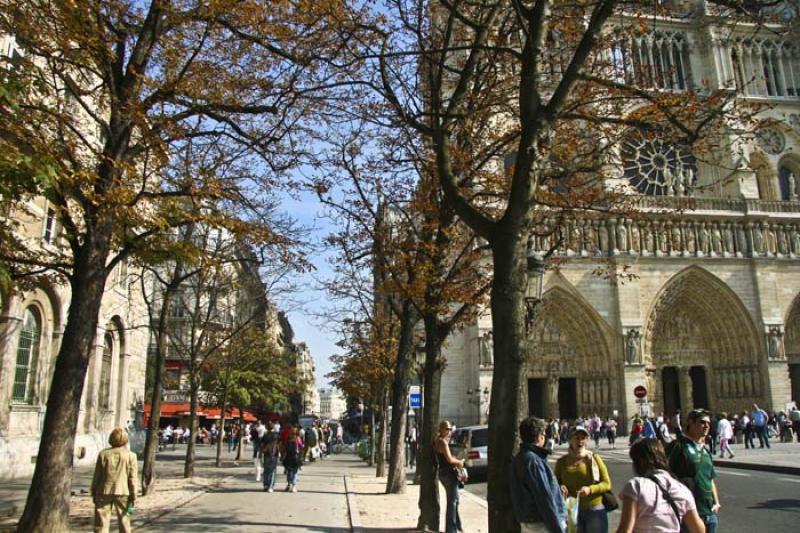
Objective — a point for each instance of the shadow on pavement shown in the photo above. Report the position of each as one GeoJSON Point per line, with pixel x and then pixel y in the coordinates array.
{"type": "Point", "coordinates": [785, 504]}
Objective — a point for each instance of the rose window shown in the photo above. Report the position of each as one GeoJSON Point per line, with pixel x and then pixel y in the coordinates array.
{"type": "Point", "coordinates": [657, 168]}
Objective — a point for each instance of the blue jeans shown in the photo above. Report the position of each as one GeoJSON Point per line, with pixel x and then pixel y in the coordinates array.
{"type": "Point", "coordinates": [452, 521]}
{"type": "Point", "coordinates": [270, 466]}
{"type": "Point", "coordinates": [763, 436]}
{"type": "Point", "coordinates": [593, 521]}
{"type": "Point", "coordinates": [711, 521]}
{"type": "Point", "coordinates": [291, 474]}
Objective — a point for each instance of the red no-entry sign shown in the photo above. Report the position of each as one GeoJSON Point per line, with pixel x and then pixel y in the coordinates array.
{"type": "Point", "coordinates": [639, 391]}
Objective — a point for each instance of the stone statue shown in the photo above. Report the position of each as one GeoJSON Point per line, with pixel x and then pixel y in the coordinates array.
{"type": "Point", "coordinates": [729, 246]}
{"type": "Point", "coordinates": [632, 347]}
{"type": "Point", "coordinates": [716, 240]}
{"type": "Point", "coordinates": [486, 350]}
{"type": "Point", "coordinates": [622, 236]}
{"type": "Point", "coordinates": [704, 238]}
{"type": "Point", "coordinates": [758, 240]}
{"type": "Point", "coordinates": [636, 241]}
{"type": "Point", "coordinates": [741, 240]}
{"type": "Point", "coordinates": [774, 338]}
{"type": "Point", "coordinates": [676, 242]}
{"type": "Point", "coordinates": [792, 186]}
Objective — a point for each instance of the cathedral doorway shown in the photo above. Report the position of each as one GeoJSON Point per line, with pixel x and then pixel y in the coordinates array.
{"type": "Point", "coordinates": [568, 398]}
{"type": "Point", "coordinates": [703, 345]}
{"type": "Point", "coordinates": [537, 397]}
{"type": "Point", "coordinates": [671, 393]}
{"type": "Point", "coordinates": [794, 377]}
{"type": "Point", "coordinates": [699, 387]}
{"type": "Point", "coordinates": [792, 345]}
{"type": "Point", "coordinates": [571, 370]}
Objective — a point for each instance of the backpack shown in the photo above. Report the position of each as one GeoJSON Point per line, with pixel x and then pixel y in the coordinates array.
{"type": "Point", "coordinates": [269, 445]}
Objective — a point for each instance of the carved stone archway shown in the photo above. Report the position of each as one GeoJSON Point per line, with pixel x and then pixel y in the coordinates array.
{"type": "Point", "coordinates": [700, 329]}
{"type": "Point", "coordinates": [792, 347]}
{"type": "Point", "coordinates": [571, 357]}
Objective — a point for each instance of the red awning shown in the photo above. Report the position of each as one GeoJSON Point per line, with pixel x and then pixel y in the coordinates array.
{"type": "Point", "coordinates": [174, 410]}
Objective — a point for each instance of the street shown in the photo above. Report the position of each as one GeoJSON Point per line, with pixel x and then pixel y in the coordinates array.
{"type": "Point", "coordinates": [750, 499]}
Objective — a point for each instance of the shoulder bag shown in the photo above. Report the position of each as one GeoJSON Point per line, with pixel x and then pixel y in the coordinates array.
{"type": "Point", "coordinates": [610, 501]}
{"type": "Point", "coordinates": [668, 497]}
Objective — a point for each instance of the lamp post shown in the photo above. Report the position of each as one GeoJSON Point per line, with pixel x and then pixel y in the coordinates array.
{"type": "Point", "coordinates": [533, 290]}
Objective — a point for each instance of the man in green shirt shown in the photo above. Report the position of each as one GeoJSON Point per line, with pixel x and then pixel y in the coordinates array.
{"type": "Point", "coordinates": [691, 462]}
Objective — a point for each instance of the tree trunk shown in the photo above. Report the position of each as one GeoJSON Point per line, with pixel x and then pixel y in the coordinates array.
{"type": "Point", "coordinates": [429, 507]}
{"type": "Point", "coordinates": [240, 439]}
{"type": "Point", "coordinates": [508, 323]}
{"type": "Point", "coordinates": [221, 423]}
{"type": "Point", "coordinates": [396, 482]}
{"type": "Point", "coordinates": [47, 505]}
{"type": "Point", "coordinates": [380, 452]}
{"type": "Point", "coordinates": [151, 442]}
{"type": "Point", "coordinates": [188, 467]}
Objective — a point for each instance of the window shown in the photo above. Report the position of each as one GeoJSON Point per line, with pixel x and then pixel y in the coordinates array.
{"type": "Point", "coordinates": [105, 373]}
{"type": "Point", "coordinates": [765, 67]}
{"type": "Point", "coordinates": [656, 60]}
{"type": "Point", "coordinates": [49, 231]}
{"type": "Point", "coordinates": [27, 357]}
{"type": "Point", "coordinates": [657, 168]}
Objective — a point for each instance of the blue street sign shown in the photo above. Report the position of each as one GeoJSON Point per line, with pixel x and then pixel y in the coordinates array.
{"type": "Point", "coordinates": [415, 400]}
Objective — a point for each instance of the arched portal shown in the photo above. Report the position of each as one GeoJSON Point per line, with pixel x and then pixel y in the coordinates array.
{"type": "Point", "coordinates": [792, 343]}
{"type": "Point", "coordinates": [570, 368]}
{"type": "Point", "coordinates": [702, 346]}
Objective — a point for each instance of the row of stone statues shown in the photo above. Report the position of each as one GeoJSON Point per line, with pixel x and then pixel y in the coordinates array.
{"type": "Point", "coordinates": [685, 238]}
{"type": "Point", "coordinates": [737, 382]}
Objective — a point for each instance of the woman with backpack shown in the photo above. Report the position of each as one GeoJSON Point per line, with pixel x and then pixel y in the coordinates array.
{"type": "Point", "coordinates": [291, 453]}
{"type": "Point", "coordinates": [654, 501]}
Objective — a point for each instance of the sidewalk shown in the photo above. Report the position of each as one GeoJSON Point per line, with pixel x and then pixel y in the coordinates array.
{"type": "Point", "coordinates": [337, 495]}
{"type": "Point", "coordinates": [172, 490]}
{"type": "Point", "coordinates": [782, 458]}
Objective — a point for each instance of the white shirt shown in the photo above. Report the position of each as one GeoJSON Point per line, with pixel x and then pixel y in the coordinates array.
{"type": "Point", "coordinates": [724, 429]}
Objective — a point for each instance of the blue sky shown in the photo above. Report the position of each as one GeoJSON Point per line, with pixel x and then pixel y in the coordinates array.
{"type": "Point", "coordinates": [310, 299]}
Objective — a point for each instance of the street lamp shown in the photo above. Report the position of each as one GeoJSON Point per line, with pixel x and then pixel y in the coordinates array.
{"type": "Point", "coordinates": [533, 291]}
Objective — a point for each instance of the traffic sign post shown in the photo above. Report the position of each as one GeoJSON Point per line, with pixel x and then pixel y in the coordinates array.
{"type": "Point", "coordinates": [415, 400]}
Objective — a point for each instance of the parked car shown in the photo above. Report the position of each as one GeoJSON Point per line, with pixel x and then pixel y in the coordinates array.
{"type": "Point", "coordinates": [470, 443]}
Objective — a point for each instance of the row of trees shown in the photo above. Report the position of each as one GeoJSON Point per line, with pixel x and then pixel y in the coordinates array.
{"type": "Point", "coordinates": [137, 120]}
{"type": "Point", "coordinates": [458, 125]}
{"type": "Point", "coordinates": [507, 117]}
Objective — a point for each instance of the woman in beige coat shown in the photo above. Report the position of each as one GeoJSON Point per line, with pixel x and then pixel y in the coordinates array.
{"type": "Point", "coordinates": [114, 483]}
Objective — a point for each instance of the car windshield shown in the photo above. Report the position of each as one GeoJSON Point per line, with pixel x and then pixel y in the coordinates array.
{"type": "Point", "coordinates": [480, 437]}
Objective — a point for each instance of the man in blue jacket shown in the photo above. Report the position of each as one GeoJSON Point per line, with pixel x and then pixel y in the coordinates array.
{"type": "Point", "coordinates": [535, 494]}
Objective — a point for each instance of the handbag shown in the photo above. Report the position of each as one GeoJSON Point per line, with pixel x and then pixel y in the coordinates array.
{"type": "Point", "coordinates": [609, 499]}
{"type": "Point", "coordinates": [461, 475]}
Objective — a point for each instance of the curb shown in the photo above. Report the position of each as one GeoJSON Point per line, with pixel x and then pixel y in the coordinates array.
{"type": "Point", "coordinates": [474, 497]}
{"type": "Point", "coordinates": [352, 508]}
{"type": "Point", "coordinates": [779, 469]}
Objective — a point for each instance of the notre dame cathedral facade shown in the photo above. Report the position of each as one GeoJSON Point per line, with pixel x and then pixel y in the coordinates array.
{"type": "Point", "coordinates": [708, 314]}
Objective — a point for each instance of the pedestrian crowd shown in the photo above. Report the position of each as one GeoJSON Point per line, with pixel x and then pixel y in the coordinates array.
{"type": "Point", "coordinates": [291, 446]}
{"type": "Point", "coordinates": [673, 490]}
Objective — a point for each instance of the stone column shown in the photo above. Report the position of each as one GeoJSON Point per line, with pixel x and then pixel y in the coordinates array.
{"type": "Point", "coordinates": [685, 384]}
{"type": "Point", "coordinates": [552, 396]}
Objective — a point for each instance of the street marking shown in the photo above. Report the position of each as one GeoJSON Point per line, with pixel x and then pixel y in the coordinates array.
{"type": "Point", "coordinates": [733, 473]}
{"type": "Point", "coordinates": [789, 479]}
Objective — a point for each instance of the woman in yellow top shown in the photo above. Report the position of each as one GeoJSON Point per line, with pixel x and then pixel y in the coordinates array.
{"type": "Point", "coordinates": [579, 477]}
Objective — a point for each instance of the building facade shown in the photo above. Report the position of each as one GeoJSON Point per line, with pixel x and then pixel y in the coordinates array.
{"type": "Point", "coordinates": [707, 313]}
{"type": "Point", "coordinates": [332, 404]}
{"type": "Point", "coordinates": [31, 324]}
